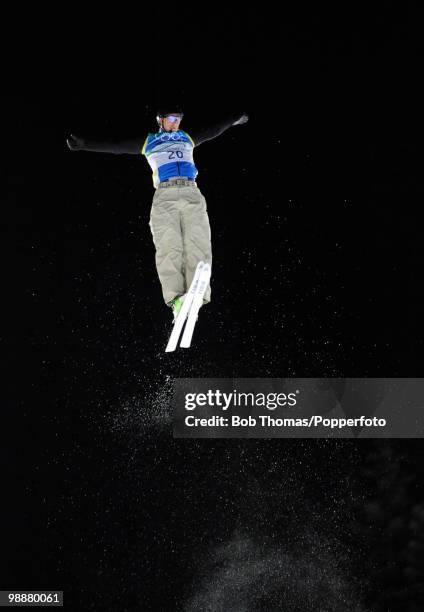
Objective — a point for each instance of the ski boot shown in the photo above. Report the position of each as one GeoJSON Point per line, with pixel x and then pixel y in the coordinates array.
{"type": "Point", "coordinates": [176, 305]}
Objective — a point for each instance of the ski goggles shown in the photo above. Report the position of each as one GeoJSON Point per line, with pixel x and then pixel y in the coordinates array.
{"type": "Point", "coordinates": [173, 118]}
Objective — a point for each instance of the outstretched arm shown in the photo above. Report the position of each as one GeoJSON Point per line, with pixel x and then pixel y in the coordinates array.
{"type": "Point", "coordinates": [131, 147]}
{"type": "Point", "coordinates": [218, 129]}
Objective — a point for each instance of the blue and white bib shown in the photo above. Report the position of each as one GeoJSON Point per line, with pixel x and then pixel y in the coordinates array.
{"type": "Point", "coordinates": [170, 155]}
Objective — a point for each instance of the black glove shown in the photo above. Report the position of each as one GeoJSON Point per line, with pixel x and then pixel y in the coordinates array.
{"type": "Point", "coordinates": [243, 119]}
{"type": "Point", "coordinates": [75, 143]}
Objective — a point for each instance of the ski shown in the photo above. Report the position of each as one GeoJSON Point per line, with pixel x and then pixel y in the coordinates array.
{"type": "Point", "coordinates": [182, 315]}
{"type": "Point", "coordinates": [196, 302]}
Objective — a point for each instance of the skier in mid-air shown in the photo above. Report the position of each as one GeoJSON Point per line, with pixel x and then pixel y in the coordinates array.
{"type": "Point", "coordinates": [178, 220]}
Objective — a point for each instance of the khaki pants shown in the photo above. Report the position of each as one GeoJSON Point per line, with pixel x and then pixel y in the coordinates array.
{"type": "Point", "coordinates": [182, 237]}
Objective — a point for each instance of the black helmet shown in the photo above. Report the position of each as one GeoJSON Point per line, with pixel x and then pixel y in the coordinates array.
{"type": "Point", "coordinates": [163, 111]}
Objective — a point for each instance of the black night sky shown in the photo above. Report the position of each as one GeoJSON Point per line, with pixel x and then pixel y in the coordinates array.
{"type": "Point", "coordinates": [315, 209]}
